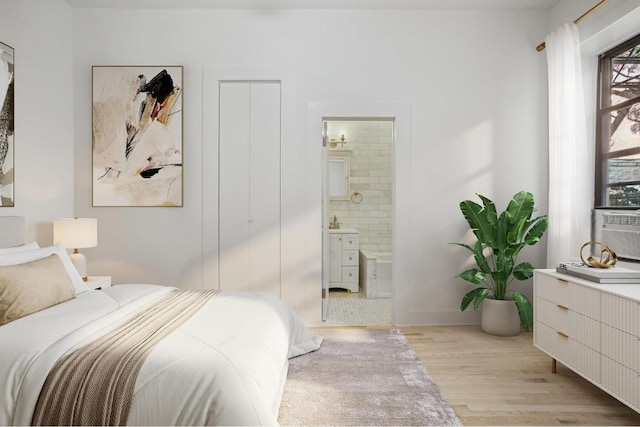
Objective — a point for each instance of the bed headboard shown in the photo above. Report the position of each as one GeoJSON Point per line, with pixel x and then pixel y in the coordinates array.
{"type": "Point", "coordinates": [12, 231]}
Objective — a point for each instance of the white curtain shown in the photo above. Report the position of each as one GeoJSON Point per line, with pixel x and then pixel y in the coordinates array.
{"type": "Point", "coordinates": [570, 154]}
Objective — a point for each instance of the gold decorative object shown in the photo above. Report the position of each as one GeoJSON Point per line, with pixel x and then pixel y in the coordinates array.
{"type": "Point", "coordinates": [604, 262]}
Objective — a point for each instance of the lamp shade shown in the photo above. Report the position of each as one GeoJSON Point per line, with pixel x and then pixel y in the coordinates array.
{"type": "Point", "coordinates": [76, 233]}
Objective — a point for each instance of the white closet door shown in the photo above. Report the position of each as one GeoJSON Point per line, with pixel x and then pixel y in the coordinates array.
{"type": "Point", "coordinates": [249, 186]}
{"type": "Point", "coordinates": [265, 187]}
{"type": "Point", "coordinates": [235, 146]}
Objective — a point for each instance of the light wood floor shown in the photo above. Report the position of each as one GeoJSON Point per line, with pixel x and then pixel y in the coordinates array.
{"type": "Point", "coordinates": [507, 381]}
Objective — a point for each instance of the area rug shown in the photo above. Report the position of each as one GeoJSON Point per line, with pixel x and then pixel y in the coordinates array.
{"type": "Point", "coordinates": [362, 377]}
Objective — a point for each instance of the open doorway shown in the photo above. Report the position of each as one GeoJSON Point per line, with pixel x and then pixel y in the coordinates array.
{"type": "Point", "coordinates": [358, 177]}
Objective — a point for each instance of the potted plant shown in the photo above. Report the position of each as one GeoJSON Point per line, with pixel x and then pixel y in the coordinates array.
{"type": "Point", "coordinates": [500, 238]}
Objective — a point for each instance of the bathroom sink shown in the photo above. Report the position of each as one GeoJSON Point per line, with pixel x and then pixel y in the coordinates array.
{"type": "Point", "coordinates": [343, 230]}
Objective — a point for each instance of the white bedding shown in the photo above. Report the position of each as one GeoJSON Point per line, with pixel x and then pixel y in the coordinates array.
{"type": "Point", "coordinates": [226, 365]}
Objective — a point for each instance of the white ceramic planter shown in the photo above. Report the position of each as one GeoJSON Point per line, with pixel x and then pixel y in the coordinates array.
{"type": "Point", "coordinates": [500, 317]}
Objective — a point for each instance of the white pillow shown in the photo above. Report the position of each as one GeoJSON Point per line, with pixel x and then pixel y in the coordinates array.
{"type": "Point", "coordinates": [15, 258]}
{"type": "Point", "coordinates": [27, 247]}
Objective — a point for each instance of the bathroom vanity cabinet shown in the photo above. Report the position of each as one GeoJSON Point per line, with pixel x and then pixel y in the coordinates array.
{"type": "Point", "coordinates": [343, 259]}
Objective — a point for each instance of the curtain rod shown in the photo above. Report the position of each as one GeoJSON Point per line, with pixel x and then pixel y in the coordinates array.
{"type": "Point", "coordinates": [542, 45]}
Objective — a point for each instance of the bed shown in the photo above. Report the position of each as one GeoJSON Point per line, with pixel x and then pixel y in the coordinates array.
{"type": "Point", "coordinates": [225, 363]}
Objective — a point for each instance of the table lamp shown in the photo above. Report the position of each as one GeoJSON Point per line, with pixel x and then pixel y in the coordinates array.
{"type": "Point", "coordinates": [76, 233]}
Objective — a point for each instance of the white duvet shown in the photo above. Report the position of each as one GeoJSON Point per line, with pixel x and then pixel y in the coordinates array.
{"type": "Point", "coordinates": [226, 365]}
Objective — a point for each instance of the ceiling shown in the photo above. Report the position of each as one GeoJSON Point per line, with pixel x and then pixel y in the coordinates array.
{"type": "Point", "coordinates": [317, 4]}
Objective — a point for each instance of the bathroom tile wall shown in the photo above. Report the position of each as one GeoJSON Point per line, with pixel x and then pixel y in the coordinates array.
{"type": "Point", "coordinates": [371, 175]}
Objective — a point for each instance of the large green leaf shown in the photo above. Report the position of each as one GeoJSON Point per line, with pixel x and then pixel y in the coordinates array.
{"type": "Point", "coordinates": [481, 260]}
{"type": "Point", "coordinates": [501, 232]}
{"type": "Point", "coordinates": [480, 296]}
{"type": "Point", "coordinates": [490, 210]}
{"type": "Point", "coordinates": [536, 231]}
{"type": "Point", "coordinates": [476, 216]}
{"type": "Point", "coordinates": [517, 230]}
{"type": "Point", "coordinates": [523, 271]}
{"type": "Point", "coordinates": [513, 250]}
{"type": "Point", "coordinates": [473, 295]}
{"type": "Point", "coordinates": [525, 310]}
{"type": "Point", "coordinates": [520, 208]}
{"type": "Point", "coordinates": [472, 275]}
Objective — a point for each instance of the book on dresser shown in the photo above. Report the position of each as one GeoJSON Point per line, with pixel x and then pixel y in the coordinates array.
{"type": "Point", "coordinates": [599, 275]}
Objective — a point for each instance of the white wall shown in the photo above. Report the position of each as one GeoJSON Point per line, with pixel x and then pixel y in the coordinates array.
{"type": "Point", "coordinates": [476, 86]}
{"type": "Point", "coordinates": [474, 82]}
{"type": "Point", "coordinates": [39, 32]}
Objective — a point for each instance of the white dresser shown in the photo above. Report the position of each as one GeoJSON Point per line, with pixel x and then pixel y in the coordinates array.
{"type": "Point", "coordinates": [343, 259]}
{"type": "Point", "coordinates": [591, 328]}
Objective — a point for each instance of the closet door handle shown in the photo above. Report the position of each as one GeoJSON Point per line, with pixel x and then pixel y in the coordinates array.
{"type": "Point", "coordinates": [562, 307]}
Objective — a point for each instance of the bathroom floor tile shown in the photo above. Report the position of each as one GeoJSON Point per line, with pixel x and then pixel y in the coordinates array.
{"type": "Point", "coordinates": [355, 309]}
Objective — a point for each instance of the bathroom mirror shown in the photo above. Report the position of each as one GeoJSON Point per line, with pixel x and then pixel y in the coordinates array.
{"type": "Point", "coordinates": [339, 177]}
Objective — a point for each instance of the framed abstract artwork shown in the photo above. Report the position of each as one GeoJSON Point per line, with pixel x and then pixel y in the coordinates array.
{"type": "Point", "coordinates": [137, 136]}
{"type": "Point", "coordinates": [6, 126]}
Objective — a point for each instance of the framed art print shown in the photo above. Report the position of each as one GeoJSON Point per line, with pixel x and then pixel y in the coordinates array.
{"type": "Point", "coordinates": [137, 136]}
{"type": "Point", "coordinates": [6, 125]}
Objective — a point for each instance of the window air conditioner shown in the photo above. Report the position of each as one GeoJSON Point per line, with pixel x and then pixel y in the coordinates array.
{"type": "Point", "coordinates": [620, 231]}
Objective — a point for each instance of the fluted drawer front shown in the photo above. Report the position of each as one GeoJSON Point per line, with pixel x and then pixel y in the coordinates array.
{"type": "Point", "coordinates": [555, 290]}
{"type": "Point", "coordinates": [574, 296]}
{"type": "Point", "coordinates": [621, 381]}
{"type": "Point", "coordinates": [621, 347]}
{"type": "Point", "coordinates": [569, 352]}
{"type": "Point", "coordinates": [555, 344]}
{"type": "Point", "coordinates": [621, 313]}
{"type": "Point", "coordinates": [579, 327]}
{"type": "Point", "coordinates": [587, 302]}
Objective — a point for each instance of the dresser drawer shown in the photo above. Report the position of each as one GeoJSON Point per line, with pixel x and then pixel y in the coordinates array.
{"type": "Point", "coordinates": [576, 297]}
{"type": "Point", "coordinates": [350, 241]}
{"type": "Point", "coordinates": [350, 274]}
{"type": "Point", "coordinates": [558, 291]}
{"type": "Point", "coordinates": [350, 257]}
{"type": "Point", "coordinates": [621, 381]}
{"type": "Point", "coordinates": [621, 313]}
{"type": "Point", "coordinates": [621, 347]}
{"type": "Point", "coordinates": [580, 328]}
{"type": "Point", "coordinates": [578, 357]}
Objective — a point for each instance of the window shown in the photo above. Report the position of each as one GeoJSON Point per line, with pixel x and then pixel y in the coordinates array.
{"type": "Point", "coordinates": [618, 127]}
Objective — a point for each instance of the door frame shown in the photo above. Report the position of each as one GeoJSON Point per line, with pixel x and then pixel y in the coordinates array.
{"type": "Point", "coordinates": [325, 222]}
{"type": "Point", "coordinates": [400, 113]}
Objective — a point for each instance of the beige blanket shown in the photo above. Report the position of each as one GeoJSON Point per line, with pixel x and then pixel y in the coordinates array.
{"type": "Point", "coordinates": [93, 385]}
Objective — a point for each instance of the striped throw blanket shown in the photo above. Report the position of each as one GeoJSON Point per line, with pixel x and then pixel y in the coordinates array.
{"type": "Point", "coordinates": [93, 385]}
